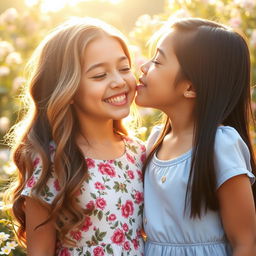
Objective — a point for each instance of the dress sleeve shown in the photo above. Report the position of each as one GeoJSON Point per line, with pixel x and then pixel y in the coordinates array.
{"type": "Point", "coordinates": [51, 188]}
{"type": "Point", "coordinates": [154, 135]}
{"type": "Point", "coordinates": [232, 156]}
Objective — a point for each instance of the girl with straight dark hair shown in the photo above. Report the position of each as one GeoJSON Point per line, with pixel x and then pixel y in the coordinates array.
{"type": "Point", "coordinates": [198, 195]}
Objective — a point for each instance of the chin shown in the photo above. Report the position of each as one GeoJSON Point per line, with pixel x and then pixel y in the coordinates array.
{"type": "Point", "coordinates": [140, 102]}
{"type": "Point", "coordinates": [121, 115]}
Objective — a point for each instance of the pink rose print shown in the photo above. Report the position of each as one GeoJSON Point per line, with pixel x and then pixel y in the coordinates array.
{"type": "Point", "coordinates": [143, 148]}
{"type": "Point", "coordinates": [31, 182]}
{"type": "Point", "coordinates": [100, 203]}
{"type": "Point", "coordinates": [99, 185]}
{"type": "Point", "coordinates": [128, 139]}
{"type": "Point", "coordinates": [140, 175]}
{"type": "Point", "coordinates": [107, 169]}
{"type": "Point", "coordinates": [90, 206]}
{"type": "Point", "coordinates": [98, 251]}
{"type": "Point", "coordinates": [139, 233]}
{"type": "Point", "coordinates": [112, 217]}
{"type": "Point", "coordinates": [77, 235]}
{"type": "Point", "coordinates": [127, 246]}
{"type": "Point", "coordinates": [118, 237]}
{"type": "Point", "coordinates": [90, 163]}
{"type": "Point", "coordinates": [36, 162]}
{"type": "Point", "coordinates": [111, 161]}
{"type": "Point", "coordinates": [56, 185]}
{"type": "Point", "coordinates": [138, 197]}
{"type": "Point", "coordinates": [125, 227]}
{"type": "Point", "coordinates": [87, 224]}
{"type": "Point", "coordinates": [127, 209]}
{"type": "Point", "coordinates": [65, 252]}
{"type": "Point", "coordinates": [135, 244]}
{"type": "Point", "coordinates": [130, 158]}
{"type": "Point", "coordinates": [143, 157]}
{"type": "Point", "coordinates": [130, 174]}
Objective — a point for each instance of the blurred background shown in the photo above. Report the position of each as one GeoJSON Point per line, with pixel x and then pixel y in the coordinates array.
{"type": "Point", "coordinates": [24, 23]}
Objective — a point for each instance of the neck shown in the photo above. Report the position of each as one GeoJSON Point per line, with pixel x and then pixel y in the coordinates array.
{"type": "Point", "coordinates": [182, 120]}
{"type": "Point", "coordinates": [94, 132]}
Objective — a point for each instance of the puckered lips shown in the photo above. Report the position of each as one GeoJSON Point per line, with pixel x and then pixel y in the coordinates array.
{"type": "Point", "coordinates": [142, 83]}
{"type": "Point", "coordinates": [119, 99]}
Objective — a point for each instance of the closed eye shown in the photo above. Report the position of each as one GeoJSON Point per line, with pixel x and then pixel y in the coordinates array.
{"type": "Point", "coordinates": [99, 76]}
{"type": "Point", "coordinates": [155, 62]}
{"type": "Point", "coordinates": [125, 69]}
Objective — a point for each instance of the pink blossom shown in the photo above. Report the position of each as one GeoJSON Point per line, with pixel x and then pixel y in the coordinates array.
{"type": "Point", "coordinates": [130, 174]}
{"type": "Point", "coordinates": [87, 224]}
{"type": "Point", "coordinates": [127, 209]}
{"type": "Point", "coordinates": [90, 163]}
{"type": "Point", "coordinates": [98, 251]}
{"type": "Point", "coordinates": [140, 175]}
{"type": "Point", "coordinates": [112, 217]}
{"type": "Point", "coordinates": [125, 227]}
{"type": "Point", "coordinates": [130, 158]}
{"type": "Point", "coordinates": [143, 148]}
{"type": "Point", "coordinates": [135, 244]}
{"type": "Point", "coordinates": [56, 185]}
{"type": "Point", "coordinates": [107, 169]}
{"type": "Point", "coordinates": [99, 185]}
{"type": "Point", "coordinates": [143, 158]}
{"type": "Point", "coordinates": [90, 206]}
{"type": "Point", "coordinates": [235, 22]}
{"type": "Point", "coordinates": [127, 246]}
{"type": "Point", "coordinates": [138, 197]}
{"type": "Point", "coordinates": [64, 252]}
{"type": "Point", "coordinates": [36, 162]}
{"type": "Point", "coordinates": [31, 182]}
{"type": "Point", "coordinates": [118, 237]}
{"type": "Point", "coordinates": [101, 203]}
{"type": "Point", "coordinates": [77, 235]}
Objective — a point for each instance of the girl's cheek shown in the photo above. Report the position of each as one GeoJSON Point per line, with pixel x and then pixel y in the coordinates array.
{"type": "Point", "coordinates": [132, 82]}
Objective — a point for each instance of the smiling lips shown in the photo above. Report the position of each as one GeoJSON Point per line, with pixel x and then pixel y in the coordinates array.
{"type": "Point", "coordinates": [117, 100]}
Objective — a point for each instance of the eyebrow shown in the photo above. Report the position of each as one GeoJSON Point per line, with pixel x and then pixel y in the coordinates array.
{"type": "Point", "coordinates": [161, 52]}
{"type": "Point", "coordinates": [104, 64]}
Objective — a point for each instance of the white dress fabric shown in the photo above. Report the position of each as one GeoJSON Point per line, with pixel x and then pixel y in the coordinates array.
{"type": "Point", "coordinates": [114, 194]}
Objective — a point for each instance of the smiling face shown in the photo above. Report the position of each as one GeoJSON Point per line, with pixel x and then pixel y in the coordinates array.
{"type": "Point", "coordinates": [107, 87]}
{"type": "Point", "coordinates": [159, 87]}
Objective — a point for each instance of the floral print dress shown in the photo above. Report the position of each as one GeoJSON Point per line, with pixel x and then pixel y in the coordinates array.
{"type": "Point", "coordinates": [114, 194]}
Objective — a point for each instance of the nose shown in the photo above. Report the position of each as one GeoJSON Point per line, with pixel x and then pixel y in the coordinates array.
{"type": "Point", "coordinates": [117, 81]}
{"type": "Point", "coordinates": [144, 67]}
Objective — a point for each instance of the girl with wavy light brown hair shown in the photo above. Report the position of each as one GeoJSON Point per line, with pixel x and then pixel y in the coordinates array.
{"type": "Point", "coordinates": [79, 185]}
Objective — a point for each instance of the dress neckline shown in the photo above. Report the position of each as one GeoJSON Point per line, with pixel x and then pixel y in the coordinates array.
{"type": "Point", "coordinates": [117, 158]}
{"type": "Point", "coordinates": [173, 161]}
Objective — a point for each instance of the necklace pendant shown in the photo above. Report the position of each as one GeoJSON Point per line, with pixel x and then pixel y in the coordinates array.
{"type": "Point", "coordinates": [163, 179]}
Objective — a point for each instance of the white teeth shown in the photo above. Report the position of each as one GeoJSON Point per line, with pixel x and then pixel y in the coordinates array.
{"type": "Point", "coordinates": [117, 99]}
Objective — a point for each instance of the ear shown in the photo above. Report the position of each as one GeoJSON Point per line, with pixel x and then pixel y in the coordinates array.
{"type": "Point", "coordinates": [189, 92]}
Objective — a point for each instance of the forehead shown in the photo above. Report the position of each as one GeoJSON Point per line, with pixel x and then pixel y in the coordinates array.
{"type": "Point", "coordinates": [166, 41]}
{"type": "Point", "coordinates": [103, 48]}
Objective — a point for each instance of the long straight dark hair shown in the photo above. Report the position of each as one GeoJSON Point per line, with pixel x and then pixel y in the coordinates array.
{"type": "Point", "coordinates": [216, 61]}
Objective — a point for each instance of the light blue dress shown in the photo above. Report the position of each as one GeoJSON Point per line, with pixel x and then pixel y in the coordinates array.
{"type": "Point", "coordinates": [169, 231]}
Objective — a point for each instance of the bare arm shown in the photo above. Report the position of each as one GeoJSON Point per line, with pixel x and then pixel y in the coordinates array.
{"type": "Point", "coordinates": [40, 241]}
{"type": "Point", "coordinates": [237, 211]}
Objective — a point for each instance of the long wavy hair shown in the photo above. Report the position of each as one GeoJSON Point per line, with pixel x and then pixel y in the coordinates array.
{"type": "Point", "coordinates": [54, 77]}
{"type": "Point", "coordinates": [216, 60]}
